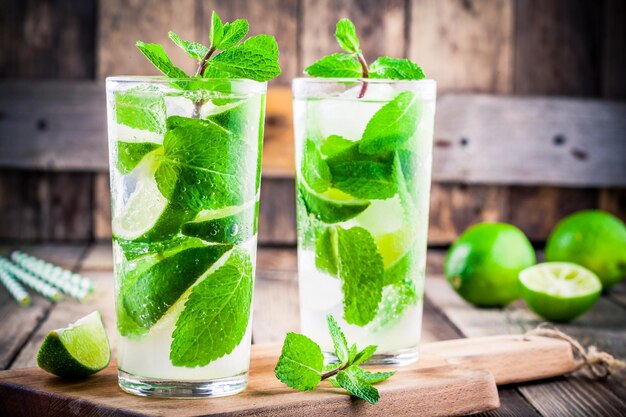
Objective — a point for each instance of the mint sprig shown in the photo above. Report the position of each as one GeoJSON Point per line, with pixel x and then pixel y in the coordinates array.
{"type": "Point", "coordinates": [226, 56]}
{"type": "Point", "coordinates": [301, 365]}
{"type": "Point", "coordinates": [352, 64]}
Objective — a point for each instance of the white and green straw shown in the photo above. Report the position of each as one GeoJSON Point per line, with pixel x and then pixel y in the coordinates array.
{"type": "Point", "coordinates": [74, 285]}
{"type": "Point", "coordinates": [14, 288]}
{"type": "Point", "coordinates": [31, 280]}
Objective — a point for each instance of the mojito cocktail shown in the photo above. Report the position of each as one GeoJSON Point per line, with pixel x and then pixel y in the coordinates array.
{"type": "Point", "coordinates": [363, 167]}
{"type": "Point", "coordinates": [185, 170]}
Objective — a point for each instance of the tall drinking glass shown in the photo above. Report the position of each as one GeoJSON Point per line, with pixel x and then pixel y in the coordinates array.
{"type": "Point", "coordinates": [185, 159]}
{"type": "Point", "coordinates": [363, 162]}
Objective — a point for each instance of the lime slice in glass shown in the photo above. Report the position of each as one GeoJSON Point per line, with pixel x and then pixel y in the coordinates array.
{"type": "Point", "coordinates": [332, 206]}
{"type": "Point", "coordinates": [79, 350]}
{"type": "Point", "coordinates": [559, 291]}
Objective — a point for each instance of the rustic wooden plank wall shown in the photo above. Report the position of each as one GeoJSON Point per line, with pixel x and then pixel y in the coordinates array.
{"type": "Point", "coordinates": [551, 47]}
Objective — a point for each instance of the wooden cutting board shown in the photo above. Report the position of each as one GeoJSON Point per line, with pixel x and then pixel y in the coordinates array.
{"type": "Point", "coordinates": [452, 378]}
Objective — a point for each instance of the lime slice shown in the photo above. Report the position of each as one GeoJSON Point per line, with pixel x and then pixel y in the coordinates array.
{"type": "Point", "coordinates": [230, 225]}
{"type": "Point", "coordinates": [77, 351]}
{"type": "Point", "coordinates": [333, 206]}
{"type": "Point", "coordinates": [559, 291]}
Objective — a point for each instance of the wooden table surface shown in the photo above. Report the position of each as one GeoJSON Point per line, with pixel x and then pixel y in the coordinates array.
{"type": "Point", "coordinates": [446, 316]}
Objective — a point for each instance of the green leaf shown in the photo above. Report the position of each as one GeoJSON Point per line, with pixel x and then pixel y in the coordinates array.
{"type": "Point", "coordinates": [371, 377]}
{"type": "Point", "coordinates": [335, 66]}
{"type": "Point", "coordinates": [133, 249]}
{"type": "Point", "coordinates": [314, 168]}
{"type": "Point", "coordinates": [326, 251]}
{"type": "Point", "coordinates": [233, 33]}
{"type": "Point", "coordinates": [346, 36]}
{"type": "Point", "coordinates": [361, 175]}
{"type": "Point", "coordinates": [216, 314]}
{"type": "Point", "coordinates": [234, 228]}
{"type": "Point", "coordinates": [397, 297]}
{"type": "Point", "coordinates": [361, 270]}
{"type": "Point", "coordinates": [156, 54]}
{"type": "Point", "coordinates": [217, 30]}
{"type": "Point", "coordinates": [350, 381]}
{"type": "Point", "coordinates": [130, 154]}
{"type": "Point", "coordinates": [206, 166]}
{"type": "Point", "coordinates": [339, 340]}
{"type": "Point", "coordinates": [194, 49]}
{"type": "Point", "coordinates": [335, 144]}
{"type": "Point", "coordinates": [364, 355]}
{"type": "Point", "coordinates": [255, 59]}
{"type": "Point", "coordinates": [301, 363]}
{"type": "Point", "coordinates": [161, 285]}
{"type": "Point", "coordinates": [327, 209]}
{"type": "Point", "coordinates": [141, 108]}
{"type": "Point", "coordinates": [392, 125]}
{"type": "Point", "coordinates": [395, 69]}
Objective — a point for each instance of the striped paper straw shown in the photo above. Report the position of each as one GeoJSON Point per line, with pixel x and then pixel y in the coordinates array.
{"type": "Point", "coordinates": [72, 284]}
{"type": "Point", "coordinates": [31, 280]}
{"type": "Point", "coordinates": [14, 288]}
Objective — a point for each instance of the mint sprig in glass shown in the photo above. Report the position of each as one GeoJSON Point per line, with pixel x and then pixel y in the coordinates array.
{"type": "Point", "coordinates": [364, 136]}
{"type": "Point", "coordinates": [185, 158]}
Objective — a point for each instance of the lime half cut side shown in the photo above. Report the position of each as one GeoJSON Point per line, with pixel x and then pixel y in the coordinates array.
{"type": "Point", "coordinates": [77, 351]}
{"type": "Point", "coordinates": [559, 291]}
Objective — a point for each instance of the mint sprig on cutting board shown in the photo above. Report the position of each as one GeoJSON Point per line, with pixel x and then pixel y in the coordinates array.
{"type": "Point", "coordinates": [352, 63]}
{"type": "Point", "coordinates": [227, 56]}
{"type": "Point", "coordinates": [301, 365]}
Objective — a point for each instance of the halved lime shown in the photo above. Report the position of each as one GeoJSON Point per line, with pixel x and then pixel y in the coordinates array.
{"type": "Point", "coordinates": [559, 291]}
{"type": "Point", "coordinates": [77, 351]}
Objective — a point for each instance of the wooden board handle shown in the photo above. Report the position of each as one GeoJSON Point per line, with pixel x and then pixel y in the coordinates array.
{"type": "Point", "coordinates": [510, 358]}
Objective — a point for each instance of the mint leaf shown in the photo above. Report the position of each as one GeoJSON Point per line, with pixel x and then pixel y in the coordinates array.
{"type": "Point", "coordinates": [200, 156]}
{"type": "Point", "coordinates": [396, 298]}
{"type": "Point", "coordinates": [346, 36]}
{"type": "Point", "coordinates": [301, 363]}
{"type": "Point", "coordinates": [156, 54]}
{"type": "Point", "coordinates": [130, 154]}
{"type": "Point", "coordinates": [314, 168]}
{"type": "Point", "coordinates": [133, 249]}
{"type": "Point", "coordinates": [327, 209]}
{"type": "Point", "coordinates": [392, 125]}
{"type": "Point", "coordinates": [161, 285]}
{"type": "Point", "coordinates": [361, 270]}
{"type": "Point", "coordinates": [364, 355]}
{"type": "Point", "coordinates": [335, 66]}
{"type": "Point", "coordinates": [217, 30]}
{"type": "Point", "coordinates": [395, 69]}
{"type": "Point", "coordinates": [361, 175]}
{"type": "Point", "coordinates": [255, 59]}
{"type": "Point", "coordinates": [335, 144]}
{"type": "Point", "coordinates": [194, 49]}
{"type": "Point", "coordinates": [339, 340]}
{"type": "Point", "coordinates": [326, 251]}
{"type": "Point", "coordinates": [350, 381]}
{"type": "Point", "coordinates": [371, 377]}
{"type": "Point", "coordinates": [233, 229]}
{"type": "Point", "coordinates": [140, 108]}
{"type": "Point", "coordinates": [216, 314]}
{"type": "Point", "coordinates": [233, 33]}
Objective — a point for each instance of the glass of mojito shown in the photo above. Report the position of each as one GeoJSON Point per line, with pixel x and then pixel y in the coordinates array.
{"type": "Point", "coordinates": [185, 158]}
{"type": "Point", "coordinates": [363, 167]}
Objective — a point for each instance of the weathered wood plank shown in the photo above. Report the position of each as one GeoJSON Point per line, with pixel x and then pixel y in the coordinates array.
{"type": "Point", "coordinates": [18, 323]}
{"type": "Point", "coordinates": [101, 206]}
{"type": "Point", "coordinates": [278, 18]}
{"type": "Point", "coordinates": [121, 23]}
{"type": "Point", "coordinates": [613, 200]}
{"type": "Point", "coordinates": [523, 140]}
{"type": "Point", "coordinates": [47, 39]}
{"type": "Point", "coordinates": [380, 26]}
{"type": "Point", "coordinates": [464, 45]}
{"type": "Point", "coordinates": [614, 50]}
{"type": "Point", "coordinates": [278, 142]}
{"type": "Point", "coordinates": [277, 212]}
{"type": "Point", "coordinates": [557, 47]}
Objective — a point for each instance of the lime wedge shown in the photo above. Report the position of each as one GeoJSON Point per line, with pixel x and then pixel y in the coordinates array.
{"type": "Point", "coordinates": [77, 351]}
{"type": "Point", "coordinates": [559, 291]}
{"type": "Point", "coordinates": [333, 206]}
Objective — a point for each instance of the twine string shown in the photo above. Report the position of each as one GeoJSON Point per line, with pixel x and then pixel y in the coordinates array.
{"type": "Point", "coordinates": [601, 364]}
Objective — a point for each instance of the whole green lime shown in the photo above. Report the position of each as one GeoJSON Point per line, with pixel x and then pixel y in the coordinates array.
{"type": "Point", "coordinates": [484, 263]}
{"type": "Point", "coordinates": [594, 239]}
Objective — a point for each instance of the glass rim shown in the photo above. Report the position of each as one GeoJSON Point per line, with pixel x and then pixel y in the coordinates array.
{"type": "Point", "coordinates": [314, 80]}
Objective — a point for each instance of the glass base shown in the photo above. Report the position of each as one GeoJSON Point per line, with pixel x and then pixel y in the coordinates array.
{"type": "Point", "coordinates": [153, 387]}
{"type": "Point", "coordinates": [399, 357]}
